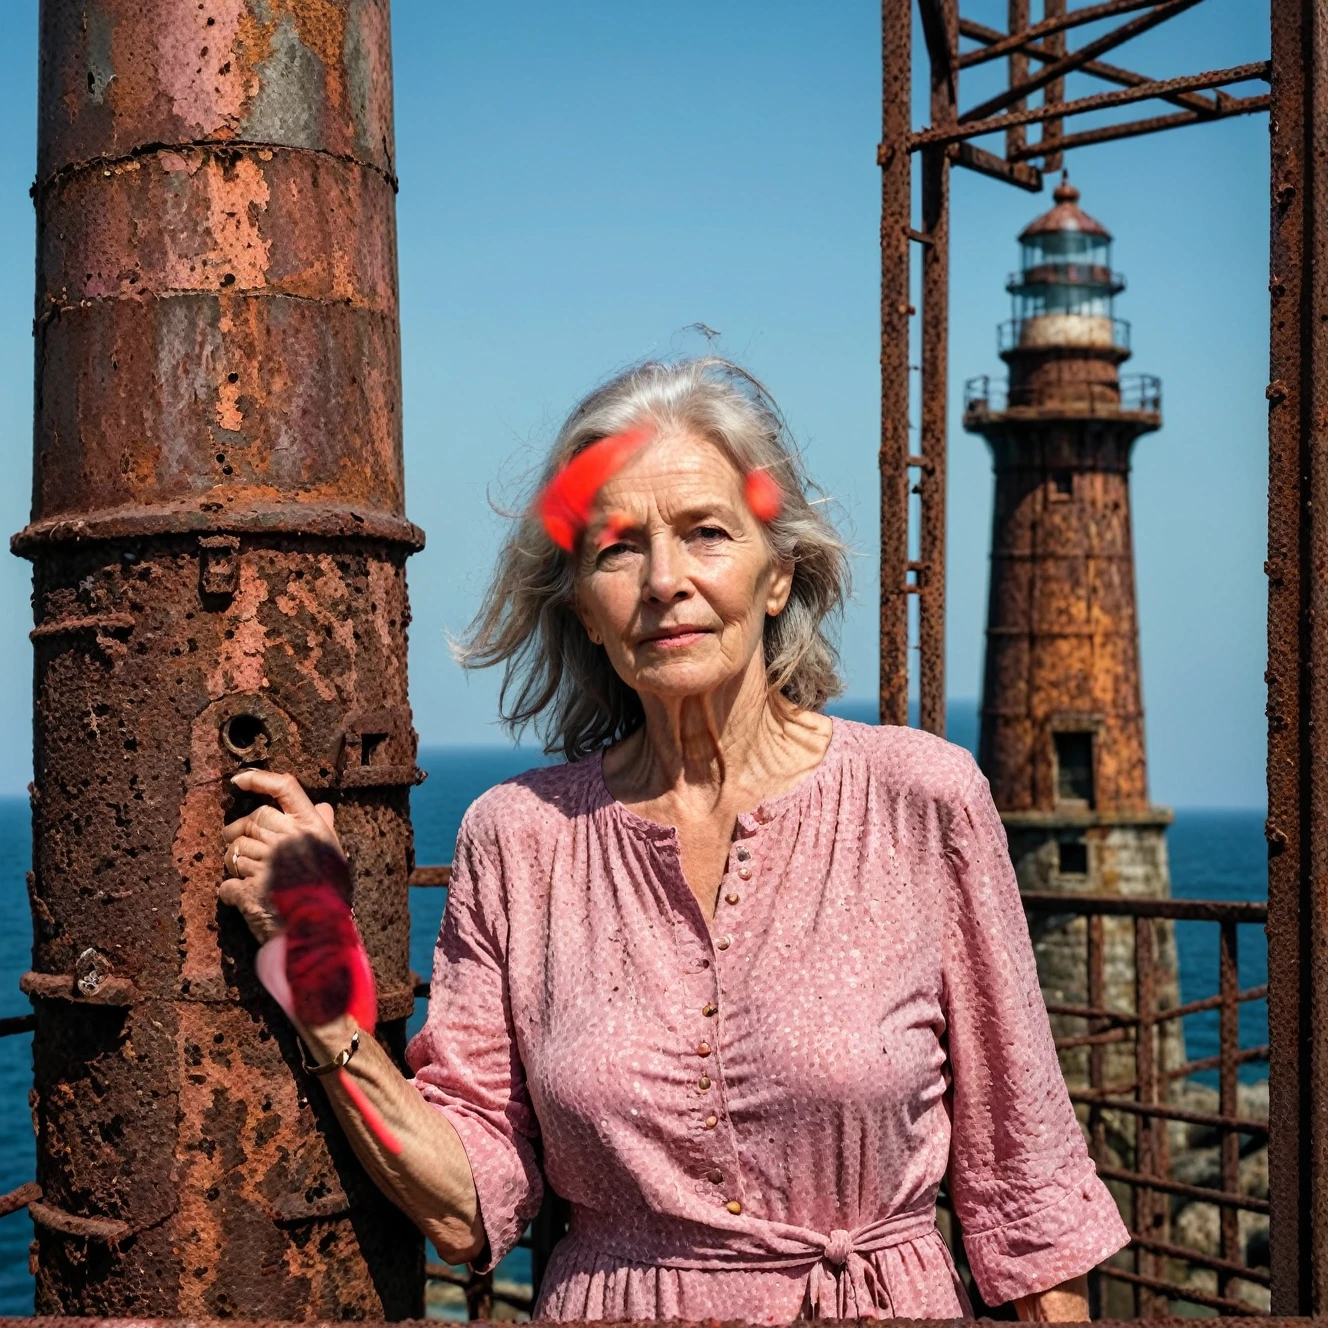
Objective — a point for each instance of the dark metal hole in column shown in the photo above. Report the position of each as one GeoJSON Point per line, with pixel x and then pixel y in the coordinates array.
{"type": "Point", "coordinates": [246, 736]}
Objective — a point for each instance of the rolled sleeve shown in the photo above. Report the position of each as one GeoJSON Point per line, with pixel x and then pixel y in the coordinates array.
{"type": "Point", "coordinates": [465, 1058]}
{"type": "Point", "coordinates": [1076, 1229]}
{"type": "Point", "coordinates": [1033, 1210]}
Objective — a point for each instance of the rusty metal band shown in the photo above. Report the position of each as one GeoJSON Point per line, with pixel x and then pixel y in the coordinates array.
{"type": "Point", "coordinates": [277, 520]}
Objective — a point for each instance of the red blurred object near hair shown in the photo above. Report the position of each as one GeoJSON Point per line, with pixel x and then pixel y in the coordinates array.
{"type": "Point", "coordinates": [564, 505]}
{"type": "Point", "coordinates": [565, 502]}
{"type": "Point", "coordinates": [763, 494]}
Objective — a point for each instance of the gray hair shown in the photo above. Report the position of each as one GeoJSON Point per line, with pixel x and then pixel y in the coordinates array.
{"type": "Point", "coordinates": [553, 675]}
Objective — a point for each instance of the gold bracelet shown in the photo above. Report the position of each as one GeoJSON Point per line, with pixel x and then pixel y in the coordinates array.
{"type": "Point", "coordinates": [338, 1062]}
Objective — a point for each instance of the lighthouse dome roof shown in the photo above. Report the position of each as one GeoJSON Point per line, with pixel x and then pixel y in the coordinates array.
{"type": "Point", "coordinates": [1067, 215]}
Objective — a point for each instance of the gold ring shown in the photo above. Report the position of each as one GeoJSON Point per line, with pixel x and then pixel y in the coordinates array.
{"type": "Point", "coordinates": [232, 863]}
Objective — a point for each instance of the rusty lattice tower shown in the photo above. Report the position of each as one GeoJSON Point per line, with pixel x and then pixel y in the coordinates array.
{"type": "Point", "coordinates": [219, 544]}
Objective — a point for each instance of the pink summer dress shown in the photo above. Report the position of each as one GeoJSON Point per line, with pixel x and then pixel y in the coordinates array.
{"type": "Point", "coordinates": [751, 1114]}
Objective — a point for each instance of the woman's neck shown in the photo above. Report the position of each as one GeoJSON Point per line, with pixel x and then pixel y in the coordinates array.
{"type": "Point", "coordinates": [736, 742]}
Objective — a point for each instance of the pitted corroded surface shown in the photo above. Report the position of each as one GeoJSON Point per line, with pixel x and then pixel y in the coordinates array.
{"type": "Point", "coordinates": [219, 403]}
{"type": "Point", "coordinates": [204, 220]}
{"type": "Point", "coordinates": [219, 543]}
{"type": "Point", "coordinates": [1062, 630]}
{"type": "Point", "coordinates": [185, 1115]}
{"type": "Point", "coordinates": [119, 75]}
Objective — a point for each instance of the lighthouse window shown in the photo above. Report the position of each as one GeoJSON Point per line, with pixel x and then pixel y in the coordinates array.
{"type": "Point", "coordinates": [1072, 858]}
{"type": "Point", "coordinates": [1074, 768]}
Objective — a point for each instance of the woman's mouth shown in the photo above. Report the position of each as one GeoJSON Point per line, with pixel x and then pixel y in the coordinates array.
{"type": "Point", "coordinates": [676, 639]}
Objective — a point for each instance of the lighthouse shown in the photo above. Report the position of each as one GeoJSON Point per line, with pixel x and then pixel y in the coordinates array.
{"type": "Point", "coordinates": [1062, 723]}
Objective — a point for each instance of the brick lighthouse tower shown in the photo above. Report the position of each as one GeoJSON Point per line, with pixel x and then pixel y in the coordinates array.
{"type": "Point", "coordinates": [1062, 727]}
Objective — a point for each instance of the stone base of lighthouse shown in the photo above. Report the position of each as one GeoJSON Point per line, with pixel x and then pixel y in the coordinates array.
{"type": "Point", "coordinates": [1087, 853]}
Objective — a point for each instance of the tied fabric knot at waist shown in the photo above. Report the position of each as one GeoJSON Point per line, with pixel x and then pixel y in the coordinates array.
{"type": "Point", "coordinates": [839, 1247]}
{"type": "Point", "coordinates": [842, 1283]}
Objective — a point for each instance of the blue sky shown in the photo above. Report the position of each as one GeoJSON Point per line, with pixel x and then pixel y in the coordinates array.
{"type": "Point", "coordinates": [580, 182]}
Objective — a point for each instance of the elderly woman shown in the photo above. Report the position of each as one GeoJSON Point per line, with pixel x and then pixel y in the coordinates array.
{"type": "Point", "coordinates": [741, 982]}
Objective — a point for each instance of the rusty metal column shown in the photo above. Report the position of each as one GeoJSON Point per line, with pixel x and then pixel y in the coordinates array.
{"type": "Point", "coordinates": [1055, 90]}
{"type": "Point", "coordinates": [942, 32]}
{"type": "Point", "coordinates": [1017, 21]}
{"type": "Point", "coordinates": [892, 460]}
{"type": "Point", "coordinates": [1298, 662]}
{"type": "Point", "coordinates": [219, 546]}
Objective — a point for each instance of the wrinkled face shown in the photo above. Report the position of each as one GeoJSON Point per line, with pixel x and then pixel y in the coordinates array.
{"type": "Point", "coordinates": [675, 578]}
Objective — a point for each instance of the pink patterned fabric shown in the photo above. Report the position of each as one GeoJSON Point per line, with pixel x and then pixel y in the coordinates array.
{"type": "Point", "coordinates": [751, 1115]}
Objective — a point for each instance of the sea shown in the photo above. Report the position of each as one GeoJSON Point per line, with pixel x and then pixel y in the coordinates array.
{"type": "Point", "coordinates": [1215, 854]}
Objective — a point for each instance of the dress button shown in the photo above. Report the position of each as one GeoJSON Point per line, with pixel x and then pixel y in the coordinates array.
{"type": "Point", "coordinates": [732, 897]}
{"type": "Point", "coordinates": [744, 854]}
{"type": "Point", "coordinates": [723, 943]}
{"type": "Point", "coordinates": [703, 1049]}
{"type": "Point", "coordinates": [745, 873]}
{"type": "Point", "coordinates": [709, 1010]}
{"type": "Point", "coordinates": [714, 1177]}
{"type": "Point", "coordinates": [734, 1207]}
{"type": "Point", "coordinates": [703, 1083]}
{"type": "Point", "coordinates": [711, 1122]}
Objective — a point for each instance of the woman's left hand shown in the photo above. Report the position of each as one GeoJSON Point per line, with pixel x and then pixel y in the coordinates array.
{"type": "Point", "coordinates": [251, 841]}
{"type": "Point", "coordinates": [1067, 1303]}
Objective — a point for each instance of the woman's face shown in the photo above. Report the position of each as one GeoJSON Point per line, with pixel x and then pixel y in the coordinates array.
{"type": "Point", "coordinates": [675, 578]}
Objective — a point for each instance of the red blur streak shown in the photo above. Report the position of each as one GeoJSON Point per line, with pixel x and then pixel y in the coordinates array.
{"type": "Point", "coordinates": [764, 496]}
{"type": "Point", "coordinates": [327, 966]}
{"type": "Point", "coordinates": [612, 532]}
{"type": "Point", "coordinates": [377, 1125]}
{"type": "Point", "coordinates": [564, 506]}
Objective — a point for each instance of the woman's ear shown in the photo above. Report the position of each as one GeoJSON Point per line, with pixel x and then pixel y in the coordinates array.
{"type": "Point", "coordinates": [595, 638]}
{"type": "Point", "coordinates": [781, 586]}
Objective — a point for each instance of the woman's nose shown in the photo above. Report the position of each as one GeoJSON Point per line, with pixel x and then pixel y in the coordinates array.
{"type": "Point", "coordinates": [666, 577]}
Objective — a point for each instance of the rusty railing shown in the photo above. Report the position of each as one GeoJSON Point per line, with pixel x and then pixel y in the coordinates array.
{"type": "Point", "coordinates": [1146, 1107]}
{"type": "Point", "coordinates": [1152, 1100]}
{"type": "Point", "coordinates": [988, 395]}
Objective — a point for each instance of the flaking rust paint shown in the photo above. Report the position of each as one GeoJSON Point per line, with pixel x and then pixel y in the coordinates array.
{"type": "Point", "coordinates": [219, 548]}
{"type": "Point", "coordinates": [312, 74]}
{"type": "Point", "coordinates": [1062, 627]}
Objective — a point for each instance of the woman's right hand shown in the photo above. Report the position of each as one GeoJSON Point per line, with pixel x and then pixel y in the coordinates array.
{"type": "Point", "coordinates": [251, 841]}
{"type": "Point", "coordinates": [430, 1180]}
